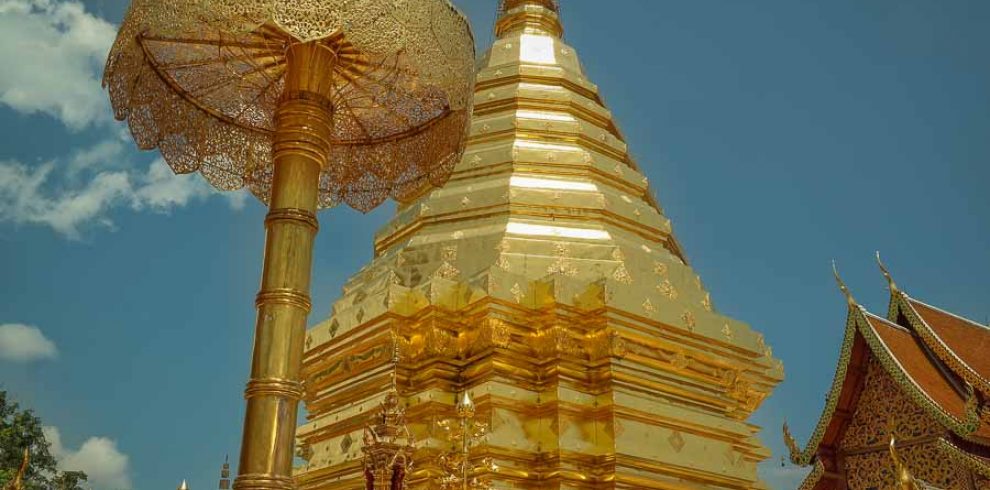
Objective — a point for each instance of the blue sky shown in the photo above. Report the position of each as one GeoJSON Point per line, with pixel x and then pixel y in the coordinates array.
{"type": "Point", "coordinates": [778, 134]}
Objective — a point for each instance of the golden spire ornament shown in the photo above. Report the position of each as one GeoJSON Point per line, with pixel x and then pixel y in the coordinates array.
{"type": "Point", "coordinates": [463, 433]}
{"type": "Point", "coordinates": [905, 480]}
{"type": "Point", "coordinates": [308, 103]}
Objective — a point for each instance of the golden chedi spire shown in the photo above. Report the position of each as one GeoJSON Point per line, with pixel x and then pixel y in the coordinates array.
{"type": "Point", "coordinates": [545, 279]}
{"type": "Point", "coordinates": [541, 17]}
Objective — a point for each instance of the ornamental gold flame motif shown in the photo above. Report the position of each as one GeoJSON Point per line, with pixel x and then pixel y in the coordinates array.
{"type": "Point", "coordinates": [201, 80]}
{"type": "Point", "coordinates": [463, 433]}
{"type": "Point", "coordinates": [309, 103]}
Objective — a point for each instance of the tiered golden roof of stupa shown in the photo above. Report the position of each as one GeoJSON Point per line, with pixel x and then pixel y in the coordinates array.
{"type": "Point", "coordinates": [545, 280]}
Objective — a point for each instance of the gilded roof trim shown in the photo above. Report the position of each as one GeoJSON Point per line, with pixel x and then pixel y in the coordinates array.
{"type": "Point", "coordinates": [961, 457]}
{"type": "Point", "coordinates": [910, 387]}
{"type": "Point", "coordinates": [803, 458]}
{"type": "Point", "coordinates": [814, 477]}
{"type": "Point", "coordinates": [901, 302]}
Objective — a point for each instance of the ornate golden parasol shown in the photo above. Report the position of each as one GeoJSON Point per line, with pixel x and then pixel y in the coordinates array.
{"type": "Point", "coordinates": [309, 103]}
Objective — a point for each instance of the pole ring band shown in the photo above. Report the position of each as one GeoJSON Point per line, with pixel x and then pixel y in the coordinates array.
{"type": "Point", "coordinates": [289, 297]}
{"type": "Point", "coordinates": [257, 481]}
{"type": "Point", "coordinates": [296, 215]}
{"type": "Point", "coordinates": [284, 388]}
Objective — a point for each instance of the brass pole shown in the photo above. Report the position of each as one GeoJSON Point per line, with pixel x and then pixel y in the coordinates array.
{"type": "Point", "coordinates": [301, 147]}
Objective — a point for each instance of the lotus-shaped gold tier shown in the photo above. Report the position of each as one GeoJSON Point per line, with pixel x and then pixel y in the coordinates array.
{"type": "Point", "coordinates": [201, 80]}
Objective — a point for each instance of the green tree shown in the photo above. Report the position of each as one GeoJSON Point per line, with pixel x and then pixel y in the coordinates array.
{"type": "Point", "coordinates": [21, 429]}
{"type": "Point", "coordinates": [68, 480]}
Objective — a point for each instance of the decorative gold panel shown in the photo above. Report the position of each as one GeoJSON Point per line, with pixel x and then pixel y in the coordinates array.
{"type": "Point", "coordinates": [884, 408]}
{"type": "Point", "coordinates": [876, 470]}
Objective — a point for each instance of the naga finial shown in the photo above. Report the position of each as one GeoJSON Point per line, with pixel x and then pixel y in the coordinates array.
{"type": "Point", "coordinates": [842, 286]}
{"type": "Point", "coordinates": [886, 273]}
{"type": "Point", "coordinates": [792, 445]}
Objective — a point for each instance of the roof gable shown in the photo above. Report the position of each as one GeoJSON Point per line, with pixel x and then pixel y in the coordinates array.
{"type": "Point", "coordinates": [961, 344]}
{"type": "Point", "coordinates": [841, 397]}
{"type": "Point", "coordinates": [905, 359]}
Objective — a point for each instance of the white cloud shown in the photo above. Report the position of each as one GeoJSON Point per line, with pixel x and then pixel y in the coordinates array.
{"type": "Point", "coordinates": [53, 52]}
{"type": "Point", "coordinates": [103, 179]}
{"type": "Point", "coordinates": [104, 464]}
{"type": "Point", "coordinates": [160, 190]}
{"type": "Point", "coordinates": [787, 476]}
{"type": "Point", "coordinates": [24, 343]}
{"type": "Point", "coordinates": [104, 154]}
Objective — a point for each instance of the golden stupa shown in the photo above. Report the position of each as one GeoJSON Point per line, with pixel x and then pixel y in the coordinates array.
{"type": "Point", "coordinates": [545, 281]}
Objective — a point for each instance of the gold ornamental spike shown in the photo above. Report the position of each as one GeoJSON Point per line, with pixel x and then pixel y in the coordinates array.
{"type": "Point", "coordinates": [792, 445]}
{"type": "Point", "coordinates": [842, 286]}
{"type": "Point", "coordinates": [465, 405]}
{"type": "Point", "coordinates": [886, 274]}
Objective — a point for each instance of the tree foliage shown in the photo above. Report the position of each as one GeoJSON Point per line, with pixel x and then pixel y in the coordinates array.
{"type": "Point", "coordinates": [20, 429]}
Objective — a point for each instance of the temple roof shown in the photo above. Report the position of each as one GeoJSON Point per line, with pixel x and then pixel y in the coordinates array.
{"type": "Point", "coordinates": [925, 379]}
{"type": "Point", "coordinates": [935, 357]}
{"type": "Point", "coordinates": [961, 344]}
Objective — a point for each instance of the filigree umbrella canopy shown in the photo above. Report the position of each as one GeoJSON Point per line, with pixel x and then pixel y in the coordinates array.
{"type": "Point", "coordinates": [201, 81]}
{"type": "Point", "coordinates": [309, 103]}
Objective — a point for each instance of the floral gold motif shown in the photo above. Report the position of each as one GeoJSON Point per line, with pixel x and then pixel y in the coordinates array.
{"type": "Point", "coordinates": [676, 441]}
{"type": "Point", "coordinates": [517, 292]}
{"type": "Point", "coordinates": [688, 318]}
{"type": "Point", "coordinates": [621, 274]}
{"type": "Point", "coordinates": [660, 269]}
{"type": "Point", "coordinates": [648, 306]}
{"type": "Point", "coordinates": [667, 289]}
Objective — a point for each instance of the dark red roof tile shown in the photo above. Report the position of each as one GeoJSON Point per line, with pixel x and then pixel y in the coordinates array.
{"type": "Point", "coordinates": [968, 340]}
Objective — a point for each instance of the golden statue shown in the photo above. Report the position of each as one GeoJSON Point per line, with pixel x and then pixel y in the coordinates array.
{"type": "Point", "coordinates": [905, 480]}
{"type": "Point", "coordinates": [308, 103]}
